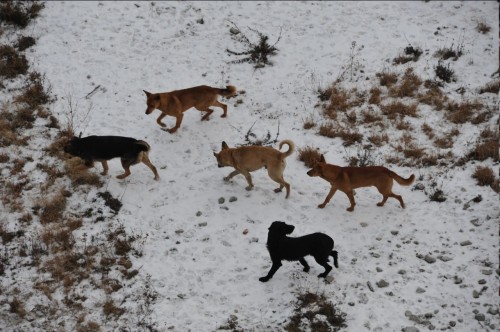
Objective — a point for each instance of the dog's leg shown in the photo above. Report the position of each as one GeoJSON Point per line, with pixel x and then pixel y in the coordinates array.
{"type": "Point", "coordinates": [178, 122]}
{"type": "Point", "coordinates": [209, 111]}
{"type": "Point", "coordinates": [304, 264]}
{"type": "Point", "coordinates": [221, 105]}
{"type": "Point", "coordinates": [105, 167]}
{"type": "Point", "coordinates": [335, 256]}
{"type": "Point", "coordinates": [162, 115]}
{"type": "Point", "coordinates": [230, 176]}
{"type": "Point", "coordinates": [323, 261]}
{"type": "Point", "coordinates": [248, 177]}
{"type": "Point", "coordinates": [272, 271]}
{"type": "Point", "coordinates": [281, 181]}
{"type": "Point", "coordinates": [350, 195]}
{"type": "Point", "coordinates": [126, 163]}
{"type": "Point", "coordinates": [328, 197]}
{"type": "Point", "coordinates": [145, 160]}
{"type": "Point", "coordinates": [398, 197]}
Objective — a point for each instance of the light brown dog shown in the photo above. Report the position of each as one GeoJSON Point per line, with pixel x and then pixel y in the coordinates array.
{"type": "Point", "coordinates": [246, 159]}
{"type": "Point", "coordinates": [175, 103]}
{"type": "Point", "coordinates": [347, 179]}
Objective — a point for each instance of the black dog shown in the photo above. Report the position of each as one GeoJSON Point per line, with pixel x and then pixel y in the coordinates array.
{"type": "Point", "coordinates": [281, 247]}
{"type": "Point", "coordinates": [104, 148]}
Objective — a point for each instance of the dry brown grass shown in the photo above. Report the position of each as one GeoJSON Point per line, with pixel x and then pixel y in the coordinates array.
{"type": "Point", "coordinates": [408, 85]}
{"type": "Point", "coordinates": [461, 112]}
{"type": "Point", "coordinates": [309, 156]}
{"type": "Point", "coordinates": [309, 123]}
{"type": "Point", "coordinates": [387, 78]}
{"type": "Point", "coordinates": [428, 131]}
{"type": "Point", "coordinates": [17, 307]}
{"type": "Point", "coordinates": [36, 91]}
{"type": "Point", "coordinates": [332, 130]}
{"type": "Point", "coordinates": [12, 63]}
{"type": "Point", "coordinates": [378, 139]}
{"type": "Point", "coordinates": [110, 309]}
{"type": "Point", "coordinates": [396, 109]}
{"type": "Point", "coordinates": [80, 174]}
{"type": "Point", "coordinates": [485, 150]}
{"type": "Point", "coordinates": [370, 116]}
{"type": "Point", "coordinates": [484, 176]}
{"type": "Point", "coordinates": [341, 100]}
{"type": "Point", "coordinates": [491, 87]}
{"type": "Point", "coordinates": [52, 209]}
{"type": "Point", "coordinates": [374, 98]}
{"type": "Point", "coordinates": [433, 95]}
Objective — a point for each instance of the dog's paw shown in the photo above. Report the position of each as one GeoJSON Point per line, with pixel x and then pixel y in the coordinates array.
{"type": "Point", "coordinates": [321, 206]}
{"type": "Point", "coordinates": [264, 279]}
{"type": "Point", "coordinates": [306, 269]}
{"type": "Point", "coordinates": [248, 188]}
{"type": "Point", "coordinates": [226, 179]}
{"type": "Point", "coordinates": [322, 275]}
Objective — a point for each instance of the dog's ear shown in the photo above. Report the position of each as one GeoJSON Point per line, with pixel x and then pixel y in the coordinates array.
{"type": "Point", "coordinates": [322, 159]}
{"type": "Point", "coordinates": [224, 145]}
{"type": "Point", "coordinates": [147, 93]}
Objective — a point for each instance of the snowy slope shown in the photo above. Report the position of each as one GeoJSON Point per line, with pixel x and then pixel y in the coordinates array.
{"type": "Point", "coordinates": [200, 262]}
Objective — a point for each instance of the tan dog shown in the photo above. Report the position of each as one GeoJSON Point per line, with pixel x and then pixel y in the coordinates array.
{"type": "Point", "coordinates": [347, 179]}
{"type": "Point", "coordinates": [247, 159]}
{"type": "Point", "coordinates": [175, 103]}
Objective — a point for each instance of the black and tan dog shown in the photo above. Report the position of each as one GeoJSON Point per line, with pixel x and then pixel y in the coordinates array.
{"type": "Point", "coordinates": [175, 103]}
{"type": "Point", "coordinates": [346, 179]}
{"type": "Point", "coordinates": [246, 159]}
{"type": "Point", "coordinates": [104, 148]}
{"type": "Point", "coordinates": [281, 247]}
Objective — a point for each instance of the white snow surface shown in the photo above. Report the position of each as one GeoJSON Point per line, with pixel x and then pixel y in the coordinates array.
{"type": "Point", "coordinates": [201, 264]}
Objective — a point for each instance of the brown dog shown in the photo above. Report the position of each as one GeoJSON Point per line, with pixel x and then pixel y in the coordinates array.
{"type": "Point", "coordinates": [246, 159]}
{"type": "Point", "coordinates": [347, 179]}
{"type": "Point", "coordinates": [175, 103]}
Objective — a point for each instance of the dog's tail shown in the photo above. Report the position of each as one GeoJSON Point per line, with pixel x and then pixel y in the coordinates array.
{"type": "Point", "coordinates": [402, 181]}
{"type": "Point", "coordinates": [143, 146]}
{"type": "Point", "coordinates": [291, 147]}
{"type": "Point", "coordinates": [228, 91]}
{"type": "Point", "coordinates": [335, 256]}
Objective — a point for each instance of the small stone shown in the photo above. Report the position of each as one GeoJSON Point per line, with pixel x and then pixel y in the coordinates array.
{"type": "Point", "coordinates": [234, 31]}
{"type": "Point", "coordinates": [179, 231]}
{"type": "Point", "coordinates": [203, 224]}
{"type": "Point", "coordinates": [419, 186]}
{"type": "Point", "coordinates": [363, 224]}
{"type": "Point", "coordinates": [382, 283]}
{"type": "Point", "coordinates": [458, 280]}
{"type": "Point", "coordinates": [254, 240]}
{"type": "Point", "coordinates": [394, 232]}
{"type": "Point", "coordinates": [233, 199]}
{"type": "Point", "coordinates": [410, 329]}
{"type": "Point", "coordinates": [476, 222]}
{"type": "Point", "coordinates": [402, 272]}
{"type": "Point", "coordinates": [481, 282]}
{"type": "Point", "coordinates": [420, 290]}
{"type": "Point", "coordinates": [444, 258]}
{"type": "Point", "coordinates": [475, 294]}
{"type": "Point", "coordinates": [245, 231]}
{"type": "Point", "coordinates": [493, 311]}
{"type": "Point", "coordinates": [369, 284]}
{"type": "Point", "coordinates": [465, 243]}
{"type": "Point", "coordinates": [429, 259]}
{"type": "Point", "coordinates": [452, 323]}
{"type": "Point", "coordinates": [198, 213]}
{"type": "Point", "coordinates": [480, 317]}
{"type": "Point", "coordinates": [486, 272]}
{"type": "Point", "coordinates": [378, 269]}
{"type": "Point", "coordinates": [221, 200]}
{"type": "Point", "coordinates": [351, 304]}
{"type": "Point", "coordinates": [375, 255]}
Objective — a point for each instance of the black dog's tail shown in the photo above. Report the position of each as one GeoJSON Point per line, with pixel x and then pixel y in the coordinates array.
{"type": "Point", "coordinates": [334, 254]}
{"type": "Point", "coordinates": [143, 146]}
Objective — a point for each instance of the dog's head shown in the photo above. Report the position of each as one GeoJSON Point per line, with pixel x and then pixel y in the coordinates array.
{"type": "Point", "coordinates": [317, 169]}
{"type": "Point", "coordinates": [153, 101]}
{"type": "Point", "coordinates": [280, 228]}
{"type": "Point", "coordinates": [73, 146]}
{"type": "Point", "coordinates": [223, 157]}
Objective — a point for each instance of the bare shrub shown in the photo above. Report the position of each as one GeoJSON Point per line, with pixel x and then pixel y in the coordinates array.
{"type": "Point", "coordinates": [341, 100]}
{"type": "Point", "coordinates": [433, 95]}
{"type": "Point", "coordinates": [309, 155]}
{"type": "Point", "coordinates": [485, 150]}
{"type": "Point", "coordinates": [309, 123]}
{"type": "Point", "coordinates": [378, 139]}
{"type": "Point", "coordinates": [19, 13]}
{"type": "Point", "coordinates": [445, 73]}
{"type": "Point", "coordinates": [17, 307]}
{"type": "Point", "coordinates": [36, 91]}
{"type": "Point", "coordinates": [484, 176]}
{"type": "Point", "coordinates": [483, 28]}
{"type": "Point", "coordinates": [25, 42]}
{"type": "Point", "coordinates": [254, 52]}
{"type": "Point", "coordinates": [79, 173]}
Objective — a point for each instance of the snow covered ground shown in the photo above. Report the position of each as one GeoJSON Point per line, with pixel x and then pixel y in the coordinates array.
{"type": "Point", "coordinates": [201, 264]}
